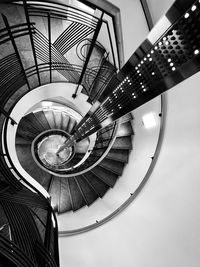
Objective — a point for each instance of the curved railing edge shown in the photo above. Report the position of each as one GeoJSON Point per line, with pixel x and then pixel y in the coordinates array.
{"type": "Point", "coordinates": [135, 194]}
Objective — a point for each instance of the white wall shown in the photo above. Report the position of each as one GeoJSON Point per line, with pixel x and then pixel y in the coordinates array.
{"type": "Point", "coordinates": [144, 142]}
{"type": "Point", "coordinates": [161, 227]}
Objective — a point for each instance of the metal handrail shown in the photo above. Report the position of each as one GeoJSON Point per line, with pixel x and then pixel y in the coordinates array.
{"type": "Point", "coordinates": [28, 29]}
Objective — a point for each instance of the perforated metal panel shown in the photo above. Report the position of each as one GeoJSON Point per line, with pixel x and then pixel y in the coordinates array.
{"type": "Point", "coordinates": [151, 70]}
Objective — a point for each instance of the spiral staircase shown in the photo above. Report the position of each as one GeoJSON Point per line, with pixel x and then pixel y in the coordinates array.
{"type": "Point", "coordinates": [46, 43]}
{"type": "Point", "coordinates": [72, 193]}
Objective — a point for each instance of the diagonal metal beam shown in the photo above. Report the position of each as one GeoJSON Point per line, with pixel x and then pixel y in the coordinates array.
{"type": "Point", "coordinates": [147, 13]}
{"type": "Point", "coordinates": [49, 35]}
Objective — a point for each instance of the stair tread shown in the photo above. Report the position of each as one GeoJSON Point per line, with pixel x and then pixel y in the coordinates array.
{"type": "Point", "coordinates": [65, 198]}
{"type": "Point", "coordinates": [107, 176]}
{"type": "Point", "coordinates": [32, 120]}
{"type": "Point", "coordinates": [25, 125]}
{"type": "Point", "coordinates": [123, 143]}
{"type": "Point", "coordinates": [87, 190]}
{"type": "Point", "coordinates": [50, 118]}
{"type": "Point", "coordinates": [98, 185]}
{"type": "Point", "coordinates": [82, 146]}
{"type": "Point", "coordinates": [125, 129]}
{"type": "Point", "coordinates": [28, 163]}
{"type": "Point", "coordinates": [77, 198]}
{"type": "Point", "coordinates": [57, 119]}
{"type": "Point", "coordinates": [65, 121]}
{"type": "Point", "coordinates": [72, 123]}
{"type": "Point", "coordinates": [115, 154]}
{"type": "Point", "coordinates": [127, 117]}
{"type": "Point", "coordinates": [42, 118]}
{"type": "Point", "coordinates": [21, 141]}
{"type": "Point", "coordinates": [112, 166]}
{"type": "Point", "coordinates": [54, 192]}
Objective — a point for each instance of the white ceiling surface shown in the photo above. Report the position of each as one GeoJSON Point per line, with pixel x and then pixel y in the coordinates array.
{"type": "Point", "coordinates": [161, 228]}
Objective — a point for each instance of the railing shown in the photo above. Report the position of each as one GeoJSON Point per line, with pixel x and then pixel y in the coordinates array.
{"type": "Point", "coordinates": [18, 80]}
{"type": "Point", "coordinates": [28, 218]}
{"type": "Point", "coordinates": [104, 141]}
{"type": "Point", "coordinates": [53, 58]}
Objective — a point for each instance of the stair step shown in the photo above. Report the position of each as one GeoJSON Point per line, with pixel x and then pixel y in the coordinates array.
{"type": "Point", "coordinates": [65, 121]}
{"type": "Point", "coordinates": [82, 146]}
{"type": "Point", "coordinates": [127, 117]}
{"type": "Point", "coordinates": [28, 163]}
{"type": "Point", "coordinates": [115, 154]}
{"type": "Point", "coordinates": [42, 119]}
{"type": "Point", "coordinates": [65, 197]}
{"type": "Point", "coordinates": [77, 198]}
{"type": "Point", "coordinates": [107, 176]}
{"type": "Point", "coordinates": [26, 132]}
{"type": "Point", "coordinates": [123, 143]}
{"type": "Point", "coordinates": [58, 119]}
{"type": "Point", "coordinates": [125, 129]}
{"type": "Point", "coordinates": [72, 123]}
{"type": "Point", "coordinates": [34, 123]}
{"type": "Point", "coordinates": [112, 166]}
{"type": "Point", "coordinates": [27, 126]}
{"type": "Point", "coordinates": [50, 118]}
{"type": "Point", "coordinates": [54, 192]}
{"type": "Point", "coordinates": [106, 132]}
{"type": "Point", "coordinates": [88, 192]}
{"type": "Point", "coordinates": [97, 185]}
{"type": "Point", "coordinates": [21, 141]}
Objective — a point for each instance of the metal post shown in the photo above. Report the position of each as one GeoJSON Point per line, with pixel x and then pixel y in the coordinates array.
{"type": "Point", "coordinates": [49, 35]}
{"type": "Point", "coordinates": [6, 114]}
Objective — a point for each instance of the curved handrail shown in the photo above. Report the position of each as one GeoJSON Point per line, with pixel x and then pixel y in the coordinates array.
{"type": "Point", "coordinates": [22, 81]}
{"type": "Point", "coordinates": [83, 168]}
{"type": "Point", "coordinates": [135, 194]}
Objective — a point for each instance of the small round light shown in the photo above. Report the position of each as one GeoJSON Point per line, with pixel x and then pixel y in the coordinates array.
{"type": "Point", "coordinates": [173, 68]}
{"type": "Point", "coordinates": [186, 15]}
{"type": "Point", "coordinates": [145, 59]}
{"type": "Point", "coordinates": [148, 55]}
{"type": "Point", "coordinates": [171, 64]}
{"type": "Point", "coordinates": [193, 8]}
{"type": "Point", "coordinates": [142, 62]}
{"type": "Point", "coordinates": [160, 43]}
{"type": "Point", "coordinates": [164, 38]}
{"type": "Point", "coordinates": [136, 68]}
{"type": "Point", "coordinates": [152, 51]}
{"type": "Point", "coordinates": [144, 90]}
{"type": "Point", "coordinates": [166, 42]}
{"type": "Point", "coordinates": [156, 47]}
{"type": "Point", "coordinates": [196, 52]}
{"type": "Point", "coordinates": [153, 73]}
{"type": "Point", "coordinates": [150, 59]}
{"type": "Point", "coordinates": [139, 65]}
{"type": "Point", "coordinates": [169, 60]}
